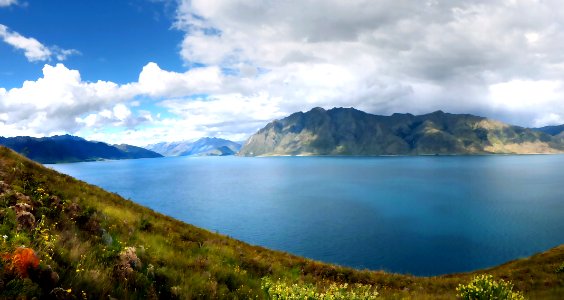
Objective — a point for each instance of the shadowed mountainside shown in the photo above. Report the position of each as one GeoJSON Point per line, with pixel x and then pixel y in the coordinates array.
{"type": "Point", "coordinates": [347, 131]}
{"type": "Point", "coordinates": [67, 148]}
{"type": "Point", "coordinates": [555, 130]}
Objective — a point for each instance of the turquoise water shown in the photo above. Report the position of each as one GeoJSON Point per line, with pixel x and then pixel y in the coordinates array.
{"type": "Point", "coordinates": [419, 215]}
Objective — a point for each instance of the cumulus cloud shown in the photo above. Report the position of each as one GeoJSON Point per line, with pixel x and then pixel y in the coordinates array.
{"type": "Point", "coordinates": [32, 48]}
{"type": "Point", "coordinates": [156, 82]}
{"type": "Point", "coordinates": [118, 116]}
{"type": "Point", "coordinates": [61, 102]}
{"type": "Point", "coordinates": [52, 103]}
{"type": "Point", "coordinates": [251, 61]}
{"type": "Point", "coordinates": [388, 55]}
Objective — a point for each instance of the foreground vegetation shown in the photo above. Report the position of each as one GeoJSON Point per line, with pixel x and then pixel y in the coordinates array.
{"type": "Point", "coordinates": [485, 287]}
{"type": "Point", "coordinates": [64, 239]}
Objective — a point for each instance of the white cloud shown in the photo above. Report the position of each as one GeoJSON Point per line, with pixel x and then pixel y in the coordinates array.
{"type": "Point", "coordinates": [525, 95]}
{"type": "Point", "coordinates": [52, 103]}
{"type": "Point", "coordinates": [4, 3]}
{"type": "Point", "coordinates": [226, 115]}
{"type": "Point", "coordinates": [385, 56]}
{"type": "Point", "coordinates": [32, 48]}
{"type": "Point", "coordinates": [533, 102]}
{"type": "Point", "coordinates": [62, 54]}
{"type": "Point", "coordinates": [120, 116]}
{"type": "Point", "coordinates": [61, 101]}
{"type": "Point", "coordinates": [252, 61]}
{"type": "Point", "coordinates": [156, 82]}
{"type": "Point", "coordinates": [549, 119]}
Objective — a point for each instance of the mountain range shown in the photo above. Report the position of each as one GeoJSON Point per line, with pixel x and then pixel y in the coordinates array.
{"type": "Point", "coordinates": [347, 131]}
{"type": "Point", "coordinates": [208, 146]}
{"type": "Point", "coordinates": [68, 148]}
{"type": "Point", "coordinates": [338, 131]}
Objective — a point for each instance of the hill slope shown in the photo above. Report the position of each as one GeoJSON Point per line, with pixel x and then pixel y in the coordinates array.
{"type": "Point", "coordinates": [203, 147]}
{"type": "Point", "coordinates": [65, 239]}
{"type": "Point", "coordinates": [347, 131]}
{"type": "Point", "coordinates": [67, 148]}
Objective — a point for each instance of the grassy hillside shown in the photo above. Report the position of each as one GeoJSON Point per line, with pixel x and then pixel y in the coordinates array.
{"type": "Point", "coordinates": [65, 239]}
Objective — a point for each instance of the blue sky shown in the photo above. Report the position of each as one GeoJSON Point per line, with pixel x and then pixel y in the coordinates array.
{"type": "Point", "coordinates": [145, 71]}
{"type": "Point", "coordinates": [115, 38]}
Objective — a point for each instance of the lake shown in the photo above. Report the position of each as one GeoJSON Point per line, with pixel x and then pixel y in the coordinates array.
{"type": "Point", "coordinates": [425, 215]}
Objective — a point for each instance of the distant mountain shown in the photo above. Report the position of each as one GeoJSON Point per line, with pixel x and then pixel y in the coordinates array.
{"type": "Point", "coordinates": [552, 130]}
{"type": "Point", "coordinates": [347, 131]}
{"type": "Point", "coordinates": [68, 148]}
{"type": "Point", "coordinates": [137, 152]}
{"type": "Point", "coordinates": [203, 147]}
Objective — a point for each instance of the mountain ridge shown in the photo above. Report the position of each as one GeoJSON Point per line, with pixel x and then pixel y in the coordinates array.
{"type": "Point", "coordinates": [68, 148]}
{"type": "Point", "coordinates": [553, 130]}
{"type": "Point", "coordinates": [348, 131]}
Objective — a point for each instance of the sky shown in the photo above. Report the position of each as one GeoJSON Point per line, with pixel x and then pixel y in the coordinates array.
{"type": "Point", "coordinates": [146, 71]}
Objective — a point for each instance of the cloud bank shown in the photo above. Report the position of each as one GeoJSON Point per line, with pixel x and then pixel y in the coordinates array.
{"type": "Point", "coordinates": [252, 61]}
{"type": "Point", "coordinates": [389, 56]}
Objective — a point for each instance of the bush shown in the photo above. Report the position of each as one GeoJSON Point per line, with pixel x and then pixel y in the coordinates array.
{"type": "Point", "coordinates": [282, 290]}
{"type": "Point", "coordinates": [560, 269]}
{"type": "Point", "coordinates": [145, 224]}
{"type": "Point", "coordinates": [483, 287]}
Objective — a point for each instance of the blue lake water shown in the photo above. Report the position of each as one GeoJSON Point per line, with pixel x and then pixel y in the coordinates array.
{"type": "Point", "coordinates": [419, 215]}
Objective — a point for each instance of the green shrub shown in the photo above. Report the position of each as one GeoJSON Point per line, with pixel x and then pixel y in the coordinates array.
{"type": "Point", "coordinates": [21, 289]}
{"type": "Point", "coordinates": [560, 269]}
{"type": "Point", "coordinates": [145, 224]}
{"type": "Point", "coordinates": [483, 287]}
{"type": "Point", "coordinates": [304, 291]}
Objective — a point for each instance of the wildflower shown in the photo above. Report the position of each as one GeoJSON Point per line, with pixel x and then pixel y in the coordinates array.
{"type": "Point", "coordinates": [128, 262]}
{"type": "Point", "coordinates": [24, 259]}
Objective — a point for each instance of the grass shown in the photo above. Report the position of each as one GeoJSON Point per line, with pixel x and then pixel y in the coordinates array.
{"type": "Point", "coordinates": [93, 244]}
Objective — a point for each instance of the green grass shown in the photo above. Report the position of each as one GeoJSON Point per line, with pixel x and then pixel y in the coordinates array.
{"type": "Point", "coordinates": [100, 245]}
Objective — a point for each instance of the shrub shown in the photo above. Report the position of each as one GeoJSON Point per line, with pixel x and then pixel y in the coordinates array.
{"type": "Point", "coordinates": [483, 287]}
{"type": "Point", "coordinates": [560, 269]}
{"type": "Point", "coordinates": [145, 224]}
{"type": "Point", "coordinates": [282, 290]}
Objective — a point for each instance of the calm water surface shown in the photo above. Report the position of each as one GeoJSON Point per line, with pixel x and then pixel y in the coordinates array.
{"type": "Point", "coordinates": [418, 215]}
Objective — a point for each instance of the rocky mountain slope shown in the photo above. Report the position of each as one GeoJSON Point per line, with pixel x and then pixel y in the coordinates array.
{"type": "Point", "coordinates": [347, 131]}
